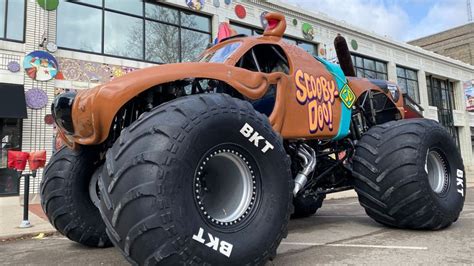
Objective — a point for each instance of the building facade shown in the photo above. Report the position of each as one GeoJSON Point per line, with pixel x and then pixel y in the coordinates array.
{"type": "Point", "coordinates": [457, 43]}
{"type": "Point", "coordinates": [98, 40]}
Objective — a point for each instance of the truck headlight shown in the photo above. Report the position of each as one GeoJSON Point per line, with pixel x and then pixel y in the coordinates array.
{"type": "Point", "coordinates": [61, 110]}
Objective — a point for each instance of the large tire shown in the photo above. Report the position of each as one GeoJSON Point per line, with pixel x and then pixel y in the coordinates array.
{"type": "Point", "coordinates": [396, 166]}
{"type": "Point", "coordinates": [160, 173]}
{"type": "Point", "coordinates": [307, 205]}
{"type": "Point", "coordinates": [65, 197]}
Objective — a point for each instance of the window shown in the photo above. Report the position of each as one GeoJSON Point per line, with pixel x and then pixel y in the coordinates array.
{"type": "Point", "coordinates": [126, 6]}
{"type": "Point", "coordinates": [249, 31]}
{"type": "Point", "coordinates": [162, 42]}
{"type": "Point", "coordinates": [12, 20]}
{"type": "Point", "coordinates": [123, 35]}
{"type": "Point", "coordinates": [10, 136]}
{"type": "Point", "coordinates": [441, 95]}
{"type": "Point", "coordinates": [309, 47]}
{"type": "Point", "coordinates": [135, 29]}
{"type": "Point", "coordinates": [408, 82]}
{"type": "Point", "coordinates": [78, 28]}
{"type": "Point", "coordinates": [369, 68]}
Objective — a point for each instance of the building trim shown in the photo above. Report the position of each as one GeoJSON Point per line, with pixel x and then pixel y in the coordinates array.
{"type": "Point", "coordinates": [336, 25]}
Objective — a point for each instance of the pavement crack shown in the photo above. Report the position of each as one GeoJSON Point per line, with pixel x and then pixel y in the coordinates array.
{"type": "Point", "coordinates": [378, 232]}
{"type": "Point", "coordinates": [292, 252]}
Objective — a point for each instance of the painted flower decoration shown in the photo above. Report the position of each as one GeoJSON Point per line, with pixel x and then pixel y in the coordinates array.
{"type": "Point", "coordinates": [36, 98]}
{"type": "Point", "coordinates": [117, 72]}
{"type": "Point", "coordinates": [13, 66]}
{"type": "Point", "coordinates": [308, 31]}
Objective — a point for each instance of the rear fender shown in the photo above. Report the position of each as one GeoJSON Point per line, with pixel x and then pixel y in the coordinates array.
{"type": "Point", "coordinates": [361, 85]}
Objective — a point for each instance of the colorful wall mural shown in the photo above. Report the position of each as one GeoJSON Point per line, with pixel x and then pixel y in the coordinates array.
{"type": "Point", "coordinates": [40, 65]}
{"type": "Point", "coordinates": [85, 71]}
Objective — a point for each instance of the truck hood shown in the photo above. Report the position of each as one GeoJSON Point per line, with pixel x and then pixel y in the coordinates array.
{"type": "Point", "coordinates": [94, 109]}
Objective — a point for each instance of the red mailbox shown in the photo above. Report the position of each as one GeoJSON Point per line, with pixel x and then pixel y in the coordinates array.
{"type": "Point", "coordinates": [37, 160]}
{"type": "Point", "coordinates": [17, 160]}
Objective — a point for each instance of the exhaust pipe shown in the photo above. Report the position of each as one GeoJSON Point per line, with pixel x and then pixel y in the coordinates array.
{"type": "Point", "coordinates": [308, 155]}
{"type": "Point", "coordinates": [344, 56]}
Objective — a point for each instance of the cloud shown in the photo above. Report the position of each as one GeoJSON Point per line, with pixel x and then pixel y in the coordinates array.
{"type": "Point", "coordinates": [441, 16]}
{"type": "Point", "coordinates": [393, 18]}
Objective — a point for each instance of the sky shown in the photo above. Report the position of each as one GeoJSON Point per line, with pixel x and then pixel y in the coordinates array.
{"type": "Point", "coordinates": [402, 20]}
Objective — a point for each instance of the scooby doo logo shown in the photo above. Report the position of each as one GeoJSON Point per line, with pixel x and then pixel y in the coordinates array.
{"type": "Point", "coordinates": [319, 95]}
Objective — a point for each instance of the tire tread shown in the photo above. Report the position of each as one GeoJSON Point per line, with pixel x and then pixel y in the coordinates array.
{"type": "Point", "coordinates": [385, 169]}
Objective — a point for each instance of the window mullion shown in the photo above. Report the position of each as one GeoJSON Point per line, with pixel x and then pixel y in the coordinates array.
{"type": "Point", "coordinates": [143, 33]}
{"type": "Point", "coordinates": [180, 56]}
{"type": "Point", "coordinates": [102, 45]}
{"type": "Point", "coordinates": [6, 20]}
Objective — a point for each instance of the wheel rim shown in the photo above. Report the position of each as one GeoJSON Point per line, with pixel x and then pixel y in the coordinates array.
{"type": "Point", "coordinates": [225, 187]}
{"type": "Point", "coordinates": [437, 170]}
{"type": "Point", "coordinates": [94, 192]}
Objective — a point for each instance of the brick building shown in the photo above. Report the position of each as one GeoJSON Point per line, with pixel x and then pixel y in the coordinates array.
{"type": "Point", "coordinates": [98, 40]}
{"type": "Point", "coordinates": [457, 43]}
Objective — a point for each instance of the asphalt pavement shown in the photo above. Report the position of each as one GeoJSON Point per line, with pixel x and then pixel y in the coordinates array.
{"type": "Point", "coordinates": [340, 233]}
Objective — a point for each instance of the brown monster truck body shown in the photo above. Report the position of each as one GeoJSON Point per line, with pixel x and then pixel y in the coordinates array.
{"type": "Point", "coordinates": [205, 162]}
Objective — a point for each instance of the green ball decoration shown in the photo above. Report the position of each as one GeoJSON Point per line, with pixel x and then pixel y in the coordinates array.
{"type": "Point", "coordinates": [354, 45]}
{"type": "Point", "coordinates": [48, 5]}
{"type": "Point", "coordinates": [295, 22]}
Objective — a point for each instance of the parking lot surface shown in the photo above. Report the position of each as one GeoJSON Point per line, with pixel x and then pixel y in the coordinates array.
{"type": "Point", "coordinates": [340, 233]}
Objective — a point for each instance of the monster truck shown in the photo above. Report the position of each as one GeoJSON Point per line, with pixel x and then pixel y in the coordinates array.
{"type": "Point", "coordinates": [205, 162]}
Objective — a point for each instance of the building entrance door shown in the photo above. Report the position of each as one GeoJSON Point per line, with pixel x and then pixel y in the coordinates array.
{"type": "Point", "coordinates": [10, 136]}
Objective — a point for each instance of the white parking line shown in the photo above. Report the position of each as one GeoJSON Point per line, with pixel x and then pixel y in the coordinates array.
{"type": "Point", "coordinates": [353, 245]}
{"type": "Point", "coordinates": [342, 204]}
{"type": "Point", "coordinates": [338, 216]}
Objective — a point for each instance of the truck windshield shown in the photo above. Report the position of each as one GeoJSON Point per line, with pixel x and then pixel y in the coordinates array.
{"type": "Point", "coordinates": [220, 55]}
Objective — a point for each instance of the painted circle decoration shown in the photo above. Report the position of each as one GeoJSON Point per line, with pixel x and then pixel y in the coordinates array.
{"type": "Point", "coordinates": [216, 3]}
{"type": "Point", "coordinates": [228, 2]}
{"type": "Point", "coordinates": [48, 5]}
{"type": "Point", "coordinates": [51, 47]}
{"type": "Point", "coordinates": [308, 31]}
{"type": "Point", "coordinates": [354, 45]}
{"type": "Point", "coordinates": [40, 65]}
{"type": "Point", "coordinates": [240, 11]}
{"type": "Point", "coordinates": [195, 4]}
{"type": "Point", "coordinates": [295, 22]}
{"type": "Point", "coordinates": [13, 66]}
{"type": "Point", "coordinates": [322, 51]}
{"type": "Point", "coordinates": [36, 98]}
{"type": "Point", "coordinates": [263, 21]}
{"type": "Point", "coordinates": [48, 119]}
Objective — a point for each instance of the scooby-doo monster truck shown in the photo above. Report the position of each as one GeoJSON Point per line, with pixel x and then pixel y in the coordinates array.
{"type": "Point", "coordinates": [205, 162]}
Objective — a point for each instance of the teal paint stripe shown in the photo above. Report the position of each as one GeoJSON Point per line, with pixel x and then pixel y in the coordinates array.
{"type": "Point", "coordinates": [346, 113]}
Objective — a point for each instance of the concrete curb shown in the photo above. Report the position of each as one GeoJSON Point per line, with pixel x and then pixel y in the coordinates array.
{"type": "Point", "coordinates": [31, 234]}
{"type": "Point", "coordinates": [342, 195]}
